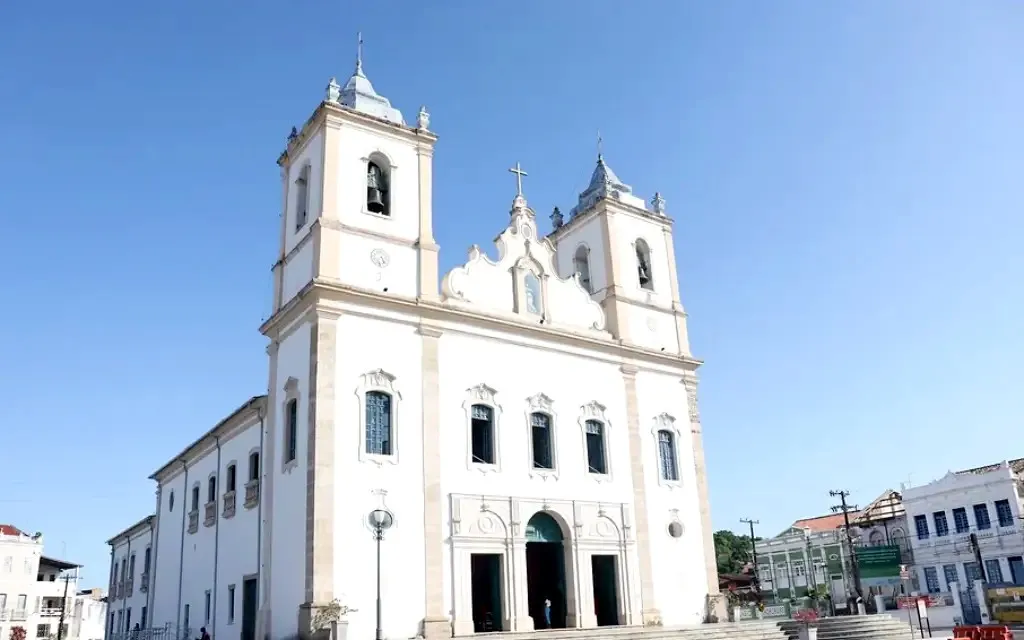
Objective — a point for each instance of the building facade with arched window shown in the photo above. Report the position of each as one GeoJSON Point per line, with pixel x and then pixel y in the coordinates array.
{"type": "Point", "coordinates": [529, 420]}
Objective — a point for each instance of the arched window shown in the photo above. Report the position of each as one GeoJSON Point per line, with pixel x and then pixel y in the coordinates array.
{"type": "Point", "coordinates": [195, 497]}
{"type": "Point", "coordinates": [378, 423]}
{"type": "Point", "coordinates": [483, 434]}
{"type": "Point", "coordinates": [541, 439]}
{"type": "Point", "coordinates": [581, 262]}
{"type": "Point", "coordinates": [232, 478]}
{"type": "Point", "coordinates": [667, 456]}
{"type": "Point", "coordinates": [378, 194]}
{"type": "Point", "coordinates": [597, 459]}
{"type": "Point", "coordinates": [302, 197]}
{"type": "Point", "coordinates": [211, 489]}
{"type": "Point", "coordinates": [643, 265]}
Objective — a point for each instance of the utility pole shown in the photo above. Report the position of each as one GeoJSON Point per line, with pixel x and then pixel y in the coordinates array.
{"type": "Point", "coordinates": [846, 509]}
{"type": "Point", "coordinates": [753, 546]}
{"type": "Point", "coordinates": [64, 605]}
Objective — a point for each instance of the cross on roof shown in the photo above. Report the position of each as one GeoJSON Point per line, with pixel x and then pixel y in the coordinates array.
{"type": "Point", "coordinates": [519, 178]}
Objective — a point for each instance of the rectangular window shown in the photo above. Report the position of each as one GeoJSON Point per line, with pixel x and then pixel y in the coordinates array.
{"type": "Point", "coordinates": [42, 630]}
{"type": "Point", "coordinates": [972, 571]}
{"type": "Point", "coordinates": [142, 622]}
{"type": "Point", "coordinates": [941, 526]}
{"type": "Point", "coordinates": [960, 520]}
{"type": "Point", "coordinates": [301, 197]}
{"type": "Point", "coordinates": [22, 602]}
{"type": "Point", "coordinates": [128, 619]}
{"type": "Point", "coordinates": [195, 498]}
{"type": "Point", "coordinates": [146, 560]}
{"type": "Point", "coordinates": [667, 466]}
{"type": "Point", "coordinates": [950, 574]}
{"type": "Point", "coordinates": [231, 479]}
{"type": "Point", "coordinates": [291, 430]}
{"type": "Point", "coordinates": [231, 603]}
{"type": "Point", "coordinates": [981, 517]}
{"type": "Point", "coordinates": [540, 437]}
{"type": "Point", "coordinates": [931, 580]}
{"type": "Point", "coordinates": [131, 567]}
{"type": "Point", "coordinates": [188, 611]}
{"type": "Point", "coordinates": [921, 522]}
{"type": "Point", "coordinates": [1004, 513]}
{"type": "Point", "coordinates": [206, 607]}
{"type": "Point", "coordinates": [254, 466]}
{"type": "Point", "coordinates": [993, 571]}
{"type": "Point", "coordinates": [482, 427]}
{"type": "Point", "coordinates": [211, 489]}
{"type": "Point", "coordinates": [378, 423]}
{"type": "Point", "coordinates": [596, 460]}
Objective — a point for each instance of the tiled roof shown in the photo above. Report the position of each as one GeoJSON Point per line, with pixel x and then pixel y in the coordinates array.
{"type": "Point", "coordinates": [10, 530]}
{"type": "Point", "coordinates": [824, 523]}
{"type": "Point", "coordinates": [1016, 466]}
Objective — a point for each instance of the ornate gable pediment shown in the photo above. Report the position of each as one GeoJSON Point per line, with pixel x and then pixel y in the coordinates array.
{"type": "Point", "coordinates": [522, 283]}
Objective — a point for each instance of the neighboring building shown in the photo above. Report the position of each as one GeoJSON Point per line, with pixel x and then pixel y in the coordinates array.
{"type": "Point", "coordinates": [459, 409]}
{"type": "Point", "coordinates": [986, 502]}
{"type": "Point", "coordinates": [32, 588]}
{"type": "Point", "coordinates": [131, 556]}
{"type": "Point", "coordinates": [89, 619]}
{"type": "Point", "coordinates": [815, 552]}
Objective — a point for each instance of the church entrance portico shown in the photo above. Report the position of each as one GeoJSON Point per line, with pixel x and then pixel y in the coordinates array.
{"type": "Point", "coordinates": [509, 555]}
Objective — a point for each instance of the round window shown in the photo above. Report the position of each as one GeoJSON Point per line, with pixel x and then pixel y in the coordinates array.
{"type": "Point", "coordinates": [675, 529]}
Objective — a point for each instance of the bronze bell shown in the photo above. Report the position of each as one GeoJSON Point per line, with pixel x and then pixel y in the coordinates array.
{"type": "Point", "coordinates": [374, 193]}
{"type": "Point", "coordinates": [374, 200]}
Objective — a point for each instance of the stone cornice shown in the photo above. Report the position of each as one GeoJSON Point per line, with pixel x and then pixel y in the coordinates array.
{"type": "Point", "coordinates": [333, 115]}
{"type": "Point", "coordinates": [142, 526]}
{"type": "Point", "coordinates": [230, 426]}
{"type": "Point", "coordinates": [439, 313]}
{"type": "Point", "coordinates": [611, 206]}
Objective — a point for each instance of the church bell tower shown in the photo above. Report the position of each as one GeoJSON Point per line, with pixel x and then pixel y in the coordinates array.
{"type": "Point", "coordinates": [357, 197]}
{"type": "Point", "coordinates": [622, 250]}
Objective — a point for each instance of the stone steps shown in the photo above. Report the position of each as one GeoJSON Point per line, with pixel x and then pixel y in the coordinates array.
{"type": "Point", "coordinates": [871, 627]}
{"type": "Point", "coordinates": [754, 630]}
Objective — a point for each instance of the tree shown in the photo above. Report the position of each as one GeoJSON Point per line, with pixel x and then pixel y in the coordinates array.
{"type": "Point", "coordinates": [731, 551]}
{"type": "Point", "coordinates": [18, 633]}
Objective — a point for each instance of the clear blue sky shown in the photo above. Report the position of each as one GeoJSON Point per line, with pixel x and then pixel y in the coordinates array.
{"type": "Point", "coordinates": [845, 178]}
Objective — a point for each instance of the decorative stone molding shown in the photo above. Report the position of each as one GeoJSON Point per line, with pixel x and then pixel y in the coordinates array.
{"type": "Point", "coordinates": [667, 422]}
{"type": "Point", "coordinates": [193, 521]}
{"type": "Point", "coordinates": [382, 381]}
{"type": "Point", "coordinates": [252, 493]}
{"type": "Point", "coordinates": [540, 403]}
{"type": "Point", "coordinates": [690, 384]}
{"type": "Point", "coordinates": [229, 500]}
{"type": "Point", "coordinates": [596, 411]}
{"type": "Point", "coordinates": [484, 395]}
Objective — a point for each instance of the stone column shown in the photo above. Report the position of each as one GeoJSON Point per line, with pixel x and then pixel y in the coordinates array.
{"type": "Point", "coordinates": [651, 614]}
{"type": "Point", "coordinates": [319, 583]}
{"type": "Point", "coordinates": [435, 620]}
{"type": "Point", "coordinates": [703, 501]}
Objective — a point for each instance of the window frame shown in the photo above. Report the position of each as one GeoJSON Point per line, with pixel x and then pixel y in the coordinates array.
{"type": "Point", "coordinates": [1009, 510]}
{"type": "Point", "coordinates": [379, 381]}
{"type": "Point", "coordinates": [211, 488]}
{"type": "Point", "coordinates": [542, 404]}
{"type": "Point", "coordinates": [961, 511]}
{"type": "Point", "coordinates": [594, 411]}
{"type": "Point", "coordinates": [921, 527]}
{"type": "Point", "coordinates": [231, 477]}
{"type": "Point", "coordinates": [486, 396]}
{"type": "Point", "coordinates": [667, 422]}
{"type": "Point", "coordinates": [292, 394]}
{"type": "Point", "coordinates": [249, 475]}
{"type": "Point", "coordinates": [978, 509]}
{"type": "Point", "coordinates": [937, 518]}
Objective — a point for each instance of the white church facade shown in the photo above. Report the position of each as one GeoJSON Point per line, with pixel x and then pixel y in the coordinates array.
{"type": "Point", "coordinates": [455, 406]}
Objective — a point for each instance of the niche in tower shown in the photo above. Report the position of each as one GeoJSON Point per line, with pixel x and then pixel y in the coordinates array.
{"type": "Point", "coordinates": [378, 192]}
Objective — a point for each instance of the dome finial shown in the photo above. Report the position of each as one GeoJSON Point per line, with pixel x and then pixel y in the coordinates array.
{"type": "Point", "coordinates": [600, 146]}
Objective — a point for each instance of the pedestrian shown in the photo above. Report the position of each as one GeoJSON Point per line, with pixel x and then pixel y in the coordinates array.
{"type": "Point", "coordinates": [203, 635]}
{"type": "Point", "coordinates": [547, 613]}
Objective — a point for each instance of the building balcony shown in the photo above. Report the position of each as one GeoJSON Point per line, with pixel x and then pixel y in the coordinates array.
{"type": "Point", "coordinates": [120, 589]}
{"type": "Point", "coordinates": [252, 493]}
{"type": "Point", "coordinates": [5, 614]}
{"type": "Point", "coordinates": [193, 521]}
{"type": "Point", "coordinates": [229, 504]}
{"type": "Point", "coordinates": [18, 615]}
{"type": "Point", "coordinates": [50, 612]}
{"type": "Point", "coordinates": [210, 514]}
{"type": "Point", "coordinates": [129, 587]}
{"type": "Point", "coordinates": [144, 583]}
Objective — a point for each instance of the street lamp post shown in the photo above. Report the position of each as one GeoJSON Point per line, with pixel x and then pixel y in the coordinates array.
{"type": "Point", "coordinates": [380, 520]}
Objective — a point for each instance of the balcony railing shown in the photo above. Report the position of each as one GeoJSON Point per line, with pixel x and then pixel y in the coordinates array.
{"type": "Point", "coordinates": [129, 587]}
{"type": "Point", "coordinates": [210, 515]}
{"type": "Point", "coordinates": [50, 612]}
{"type": "Point", "coordinates": [252, 493]}
{"type": "Point", "coordinates": [144, 583]}
{"type": "Point", "coordinates": [19, 614]}
{"type": "Point", "coordinates": [193, 521]}
{"type": "Point", "coordinates": [229, 504]}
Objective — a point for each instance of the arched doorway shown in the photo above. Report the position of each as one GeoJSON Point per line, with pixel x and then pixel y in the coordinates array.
{"type": "Point", "coordinates": [545, 571]}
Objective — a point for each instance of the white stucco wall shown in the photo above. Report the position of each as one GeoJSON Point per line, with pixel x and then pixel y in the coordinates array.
{"type": "Point", "coordinates": [172, 519]}
{"type": "Point", "coordinates": [287, 516]}
{"type": "Point", "coordinates": [120, 602]}
{"type": "Point", "coordinates": [586, 233]}
{"type": "Point", "coordinates": [964, 490]}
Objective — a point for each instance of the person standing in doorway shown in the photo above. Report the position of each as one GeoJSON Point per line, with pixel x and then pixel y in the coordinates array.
{"type": "Point", "coordinates": [547, 613]}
